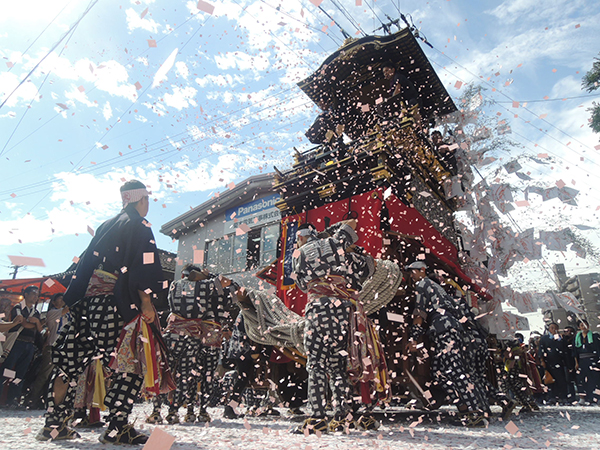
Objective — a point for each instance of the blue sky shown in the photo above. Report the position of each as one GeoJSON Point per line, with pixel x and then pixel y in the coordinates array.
{"type": "Point", "coordinates": [190, 101]}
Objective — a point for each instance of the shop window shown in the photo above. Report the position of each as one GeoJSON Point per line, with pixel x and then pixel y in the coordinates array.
{"type": "Point", "coordinates": [218, 255]}
{"type": "Point", "coordinates": [270, 235]}
{"type": "Point", "coordinates": [240, 252]}
{"type": "Point", "coordinates": [253, 254]}
{"type": "Point", "coordinates": [248, 251]}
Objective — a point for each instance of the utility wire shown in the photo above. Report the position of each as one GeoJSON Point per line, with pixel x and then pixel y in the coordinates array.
{"type": "Point", "coordinates": [385, 27]}
{"type": "Point", "coordinates": [35, 96]}
{"type": "Point", "coordinates": [35, 130]}
{"type": "Point", "coordinates": [508, 215]}
{"type": "Point", "coordinates": [212, 152]}
{"type": "Point", "coordinates": [344, 32]}
{"type": "Point", "coordinates": [276, 37]}
{"type": "Point", "coordinates": [511, 99]}
{"type": "Point", "coordinates": [135, 58]}
{"type": "Point", "coordinates": [109, 129]}
{"type": "Point", "coordinates": [512, 112]}
{"type": "Point", "coordinates": [132, 58]}
{"type": "Point", "coordinates": [278, 8]}
{"type": "Point", "coordinates": [167, 140]}
{"type": "Point", "coordinates": [87, 10]}
{"type": "Point", "coordinates": [148, 149]}
{"type": "Point", "coordinates": [562, 99]}
{"type": "Point", "coordinates": [144, 149]}
{"type": "Point", "coordinates": [40, 35]}
{"type": "Point", "coordinates": [347, 15]}
{"type": "Point", "coordinates": [516, 225]}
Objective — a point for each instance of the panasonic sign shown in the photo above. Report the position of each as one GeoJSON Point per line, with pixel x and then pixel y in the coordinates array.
{"type": "Point", "coordinates": [252, 207]}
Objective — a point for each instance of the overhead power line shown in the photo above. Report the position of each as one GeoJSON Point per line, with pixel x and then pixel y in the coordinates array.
{"type": "Point", "coordinates": [42, 32]}
{"type": "Point", "coordinates": [156, 146]}
{"type": "Point", "coordinates": [279, 9]}
{"type": "Point", "coordinates": [529, 123]}
{"type": "Point", "coordinates": [132, 58]}
{"type": "Point", "coordinates": [513, 100]}
{"type": "Point", "coordinates": [32, 100]}
{"type": "Point", "coordinates": [561, 99]}
{"type": "Point", "coordinates": [344, 32]}
{"type": "Point", "coordinates": [87, 10]}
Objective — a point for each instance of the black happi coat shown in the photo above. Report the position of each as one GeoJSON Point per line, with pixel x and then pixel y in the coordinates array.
{"type": "Point", "coordinates": [125, 246]}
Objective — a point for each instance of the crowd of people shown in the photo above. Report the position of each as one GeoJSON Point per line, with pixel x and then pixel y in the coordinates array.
{"type": "Point", "coordinates": [102, 345]}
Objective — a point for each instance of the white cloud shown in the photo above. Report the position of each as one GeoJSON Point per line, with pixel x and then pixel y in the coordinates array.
{"type": "Point", "coordinates": [182, 69]}
{"type": "Point", "coordinates": [262, 22]}
{"type": "Point", "coordinates": [243, 61]}
{"type": "Point", "coordinates": [75, 95]}
{"type": "Point", "coordinates": [8, 82]}
{"type": "Point", "coordinates": [109, 76]}
{"type": "Point", "coordinates": [218, 80]}
{"type": "Point", "coordinates": [227, 97]}
{"type": "Point", "coordinates": [195, 132]}
{"type": "Point", "coordinates": [107, 111]}
{"type": "Point", "coordinates": [156, 107]}
{"type": "Point", "coordinates": [566, 87]}
{"type": "Point", "coordinates": [181, 97]}
{"type": "Point", "coordinates": [34, 11]}
{"type": "Point", "coordinates": [80, 200]}
{"type": "Point", "coordinates": [113, 78]}
{"type": "Point", "coordinates": [134, 21]}
{"type": "Point", "coordinates": [512, 10]}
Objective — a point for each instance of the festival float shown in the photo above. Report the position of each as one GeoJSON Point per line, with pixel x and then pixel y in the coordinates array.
{"type": "Point", "coordinates": [374, 163]}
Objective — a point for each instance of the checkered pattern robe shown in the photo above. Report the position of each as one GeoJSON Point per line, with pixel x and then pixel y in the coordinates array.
{"type": "Point", "coordinates": [192, 361]}
{"type": "Point", "coordinates": [327, 319]}
{"type": "Point", "coordinates": [456, 359]}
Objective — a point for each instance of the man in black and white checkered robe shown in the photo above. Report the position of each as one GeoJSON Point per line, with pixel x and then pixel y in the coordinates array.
{"type": "Point", "coordinates": [113, 284]}
{"type": "Point", "coordinates": [322, 269]}
{"type": "Point", "coordinates": [204, 296]}
{"type": "Point", "coordinates": [439, 316]}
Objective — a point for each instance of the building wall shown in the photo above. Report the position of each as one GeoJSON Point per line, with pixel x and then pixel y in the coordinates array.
{"type": "Point", "coordinates": [221, 244]}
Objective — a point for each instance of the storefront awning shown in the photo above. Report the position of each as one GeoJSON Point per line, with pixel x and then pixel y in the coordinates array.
{"type": "Point", "coordinates": [48, 287]}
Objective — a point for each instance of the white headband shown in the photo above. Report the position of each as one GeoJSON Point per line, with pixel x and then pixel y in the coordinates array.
{"type": "Point", "coordinates": [134, 195]}
{"type": "Point", "coordinates": [305, 232]}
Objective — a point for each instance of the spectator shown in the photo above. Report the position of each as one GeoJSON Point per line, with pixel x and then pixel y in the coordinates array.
{"type": "Point", "coordinates": [553, 350]}
{"type": "Point", "coordinates": [519, 379]}
{"type": "Point", "coordinates": [5, 307]}
{"type": "Point", "coordinates": [22, 351]}
{"type": "Point", "coordinates": [57, 316]}
{"type": "Point", "coordinates": [538, 388]}
{"type": "Point", "coordinates": [587, 350]}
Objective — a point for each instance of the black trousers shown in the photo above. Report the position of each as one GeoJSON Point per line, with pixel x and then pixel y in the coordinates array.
{"type": "Point", "coordinates": [558, 389]}
{"type": "Point", "coordinates": [292, 383]}
{"type": "Point", "coordinates": [245, 372]}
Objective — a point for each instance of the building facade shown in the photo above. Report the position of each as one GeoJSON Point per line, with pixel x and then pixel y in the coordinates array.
{"type": "Point", "coordinates": [234, 233]}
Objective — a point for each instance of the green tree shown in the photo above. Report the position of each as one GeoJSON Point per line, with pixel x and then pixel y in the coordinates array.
{"type": "Point", "coordinates": [591, 82]}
